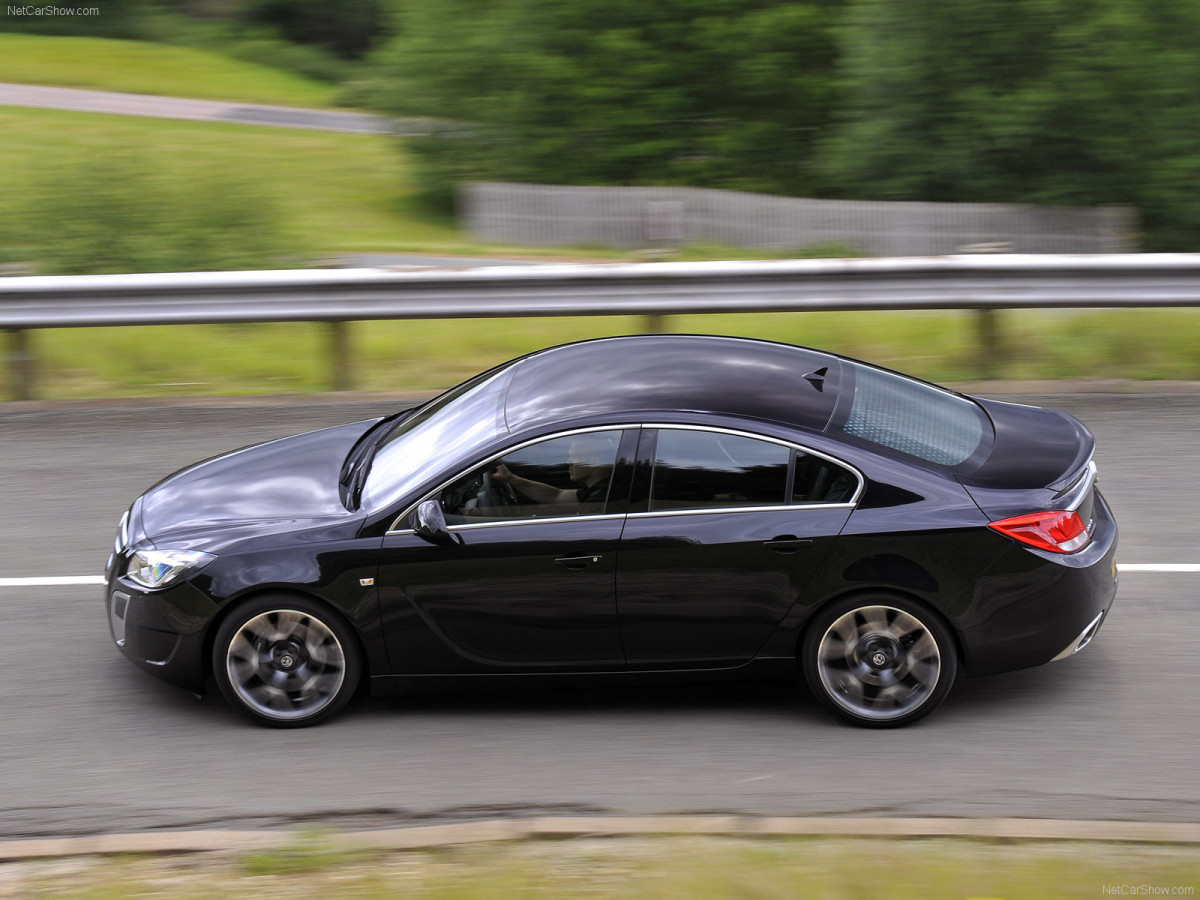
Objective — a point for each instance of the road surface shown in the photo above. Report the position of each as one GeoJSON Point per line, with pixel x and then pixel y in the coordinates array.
{"type": "Point", "coordinates": [90, 744]}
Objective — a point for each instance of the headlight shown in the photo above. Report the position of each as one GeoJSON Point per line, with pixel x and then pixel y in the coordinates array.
{"type": "Point", "coordinates": [158, 568]}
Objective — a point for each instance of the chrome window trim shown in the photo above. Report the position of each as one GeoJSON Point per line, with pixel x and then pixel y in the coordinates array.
{"type": "Point", "coordinates": [715, 510]}
{"type": "Point", "coordinates": [550, 520]}
{"type": "Point", "coordinates": [393, 529]}
{"type": "Point", "coordinates": [792, 445]}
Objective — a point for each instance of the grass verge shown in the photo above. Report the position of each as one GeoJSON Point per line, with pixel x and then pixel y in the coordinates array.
{"type": "Point", "coordinates": [355, 193]}
{"type": "Point", "coordinates": [633, 868]}
{"type": "Point", "coordinates": [142, 67]}
{"type": "Point", "coordinates": [340, 191]}
{"type": "Point", "coordinates": [426, 355]}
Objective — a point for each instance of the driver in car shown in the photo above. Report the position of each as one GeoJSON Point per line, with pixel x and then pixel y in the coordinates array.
{"type": "Point", "coordinates": [590, 464]}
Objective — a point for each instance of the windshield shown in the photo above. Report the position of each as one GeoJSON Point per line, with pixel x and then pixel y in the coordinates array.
{"type": "Point", "coordinates": [440, 434]}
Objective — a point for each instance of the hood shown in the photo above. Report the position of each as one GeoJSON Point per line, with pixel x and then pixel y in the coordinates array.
{"type": "Point", "coordinates": [283, 484]}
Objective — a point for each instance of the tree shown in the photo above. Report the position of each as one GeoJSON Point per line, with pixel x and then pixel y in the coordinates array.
{"type": "Point", "coordinates": [348, 28]}
{"type": "Point", "coordinates": [721, 93]}
{"type": "Point", "coordinates": [1042, 101]}
{"type": "Point", "coordinates": [117, 19]}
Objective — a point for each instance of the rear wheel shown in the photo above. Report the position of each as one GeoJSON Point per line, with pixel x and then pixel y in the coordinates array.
{"type": "Point", "coordinates": [286, 661]}
{"type": "Point", "coordinates": [880, 661]}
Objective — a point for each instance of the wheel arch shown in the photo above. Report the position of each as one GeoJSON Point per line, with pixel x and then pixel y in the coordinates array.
{"type": "Point", "coordinates": [814, 615]}
{"type": "Point", "coordinates": [232, 605]}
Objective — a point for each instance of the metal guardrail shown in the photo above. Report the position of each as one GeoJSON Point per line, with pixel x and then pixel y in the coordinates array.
{"type": "Point", "coordinates": [979, 282]}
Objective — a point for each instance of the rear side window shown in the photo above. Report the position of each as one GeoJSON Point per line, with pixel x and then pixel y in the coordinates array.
{"type": "Point", "coordinates": [711, 470]}
{"type": "Point", "coordinates": [696, 469]}
{"type": "Point", "coordinates": [911, 417]}
{"type": "Point", "coordinates": [817, 480]}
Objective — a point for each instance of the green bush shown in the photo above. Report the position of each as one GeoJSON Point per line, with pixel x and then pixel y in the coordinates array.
{"type": "Point", "coordinates": [258, 44]}
{"type": "Point", "coordinates": [125, 214]}
{"type": "Point", "coordinates": [726, 94]}
{"type": "Point", "coordinates": [117, 19]}
{"type": "Point", "coordinates": [348, 28]}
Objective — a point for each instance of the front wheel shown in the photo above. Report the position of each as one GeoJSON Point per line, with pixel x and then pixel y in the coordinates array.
{"type": "Point", "coordinates": [879, 662]}
{"type": "Point", "coordinates": [286, 662]}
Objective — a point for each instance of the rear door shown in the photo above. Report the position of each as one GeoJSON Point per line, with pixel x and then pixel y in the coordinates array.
{"type": "Point", "coordinates": [725, 530]}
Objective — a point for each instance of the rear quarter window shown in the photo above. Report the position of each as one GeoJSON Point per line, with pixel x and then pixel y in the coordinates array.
{"type": "Point", "coordinates": [910, 417]}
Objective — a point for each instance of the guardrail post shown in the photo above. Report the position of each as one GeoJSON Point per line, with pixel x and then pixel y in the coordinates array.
{"type": "Point", "coordinates": [20, 364]}
{"type": "Point", "coordinates": [341, 376]}
{"type": "Point", "coordinates": [654, 323]}
{"type": "Point", "coordinates": [988, 334]}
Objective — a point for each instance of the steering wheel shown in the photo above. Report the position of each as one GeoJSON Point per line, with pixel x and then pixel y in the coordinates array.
{"type": "Point", "coordinates": [496, 493]}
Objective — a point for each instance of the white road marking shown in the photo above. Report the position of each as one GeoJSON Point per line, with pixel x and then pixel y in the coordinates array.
{"type": "Point", "coordinates": [81, 580]}
{"type": "Point", "coordinates": [55, 581]}
{"type": "Point", "coordinates": [1184, 568]}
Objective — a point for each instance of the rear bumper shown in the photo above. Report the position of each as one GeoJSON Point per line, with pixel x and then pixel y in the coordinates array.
{"type": "Point", "coordinates": [1034, 606]}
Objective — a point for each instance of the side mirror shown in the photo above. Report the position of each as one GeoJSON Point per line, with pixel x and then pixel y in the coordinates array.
{"type": "Point", "coordinates": [428, 521]}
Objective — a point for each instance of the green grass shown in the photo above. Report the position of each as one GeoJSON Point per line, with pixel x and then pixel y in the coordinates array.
{"type": "Point", "coordinates": [433, 354]}
{"type": "Point", "coordinates": [142, 67]}
{"type": "Point", "coordinates": [347, 193]}
{"type": "Point", "coordinates": [341, 191]}
{"type": "Point", "coordinates": [644, 869]}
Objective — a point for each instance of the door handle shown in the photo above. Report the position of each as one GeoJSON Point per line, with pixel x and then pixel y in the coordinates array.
{"type": "Point", "coordinates": [786, 543]}
{"type": "Point", "coordinates": [579, 562]}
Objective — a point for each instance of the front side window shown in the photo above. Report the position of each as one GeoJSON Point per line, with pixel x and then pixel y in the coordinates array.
{"type": "Point", "coordinates": [562, 476]}
{"type": "Point", "coordinates": [712, 470]}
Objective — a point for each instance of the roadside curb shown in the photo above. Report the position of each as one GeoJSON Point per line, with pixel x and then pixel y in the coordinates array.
{"type": "Point", "coordinates": [550, 828]}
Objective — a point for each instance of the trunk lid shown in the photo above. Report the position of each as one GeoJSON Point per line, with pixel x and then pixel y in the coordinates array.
{"type": "Point", "coordinates": [1040, 460]}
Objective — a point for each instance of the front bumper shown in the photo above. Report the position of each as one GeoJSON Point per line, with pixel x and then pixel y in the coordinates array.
{"type": "Point", "coordinates": [162, 631]}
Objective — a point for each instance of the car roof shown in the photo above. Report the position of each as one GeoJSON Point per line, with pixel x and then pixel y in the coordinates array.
{"type": "Point", "coordinates": [666, 372]}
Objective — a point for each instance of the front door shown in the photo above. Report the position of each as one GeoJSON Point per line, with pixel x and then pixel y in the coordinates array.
{"type": "Point", "coordinates": [530, 583]}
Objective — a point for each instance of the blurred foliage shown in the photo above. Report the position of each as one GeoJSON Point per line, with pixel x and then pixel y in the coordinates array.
{"type": "Point", "coordinates": [239, 38]}
{"type": "Point", "coordinates": [644, 868]}
{"type": "Point", "coordinates": [153, 68]}
{"type": "Point", "coordinates": [1052, 102]}
{"type": "Point", "coordinates": [1061, 102]}
{"type": "Point", "coordinates": [719, 93]}
{"type": "Point", "coordinates": [433, 354]}
{"type": "Point", "coordinates": [117, 18]}
{"type": "Point", "coordinates": [315, 38]}
{"type": "Point", "coordinates": [124, 213]}
{"type": "Point", "coordinates": [348, 28]}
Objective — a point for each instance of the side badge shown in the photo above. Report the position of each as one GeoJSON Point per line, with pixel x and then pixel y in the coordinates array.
{"type": "Point", "coordinates": [366, 582]}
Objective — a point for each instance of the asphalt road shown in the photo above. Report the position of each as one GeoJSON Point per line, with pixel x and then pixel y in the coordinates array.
{"type": "Point", "coordinates": [113, 103]}
{"type": "Point", "coordinates": [90, 744]}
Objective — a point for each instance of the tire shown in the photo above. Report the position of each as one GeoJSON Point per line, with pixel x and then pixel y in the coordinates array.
{"type": "Point", "coordinates": [286, 662]}
{"type": "Point", "coordinates": [879, 661]}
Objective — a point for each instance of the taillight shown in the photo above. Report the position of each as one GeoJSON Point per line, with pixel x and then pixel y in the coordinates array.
{"type": "Point", "coordinates": [1060, 531]}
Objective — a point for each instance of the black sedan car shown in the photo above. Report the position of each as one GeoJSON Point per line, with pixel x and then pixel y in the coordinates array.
{"type": "Point", "coordinates": [639, 509]}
